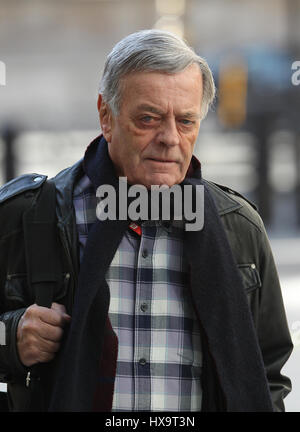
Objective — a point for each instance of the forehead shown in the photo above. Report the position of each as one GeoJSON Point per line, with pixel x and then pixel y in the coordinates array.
{"type": "Point", "coordinates": [178, 89]}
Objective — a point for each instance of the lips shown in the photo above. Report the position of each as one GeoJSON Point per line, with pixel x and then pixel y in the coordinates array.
{"type": "Point", "coordinates": [162, 160]}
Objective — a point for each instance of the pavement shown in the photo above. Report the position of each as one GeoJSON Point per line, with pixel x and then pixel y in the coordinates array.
{"type": "Point", "coordinates": [287, 257]}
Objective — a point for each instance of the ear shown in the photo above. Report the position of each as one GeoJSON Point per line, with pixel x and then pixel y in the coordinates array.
{"type": "Point", "coordinates": [105, 117]}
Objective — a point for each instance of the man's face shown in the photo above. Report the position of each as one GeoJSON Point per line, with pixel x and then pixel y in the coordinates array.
{"type": "Point", "coordinates": [151, 140]}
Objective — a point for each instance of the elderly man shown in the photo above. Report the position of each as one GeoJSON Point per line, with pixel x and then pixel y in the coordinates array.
{"type": "Point", "coordinates": [148, 316]}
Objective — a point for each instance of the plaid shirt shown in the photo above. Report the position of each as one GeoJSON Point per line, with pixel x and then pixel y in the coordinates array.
{"type": "Point", "coordinates": [159, 353]}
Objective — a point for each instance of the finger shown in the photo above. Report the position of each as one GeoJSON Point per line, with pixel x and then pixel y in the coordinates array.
{"type": "Point", "coordinates": [39, 329]}
{"type": "Point", "coordinates": [49, 332]}
{"type": "Point", "coordinates": [32, 347]}
{"type": "Point", "coordinates": [45, 357]}
{"type": "Point", "coordinates": [48, 346]}
{"type": "Point", "coordinates": [60, 308]}
{"type": "Point", "coordinates": [54, 317]}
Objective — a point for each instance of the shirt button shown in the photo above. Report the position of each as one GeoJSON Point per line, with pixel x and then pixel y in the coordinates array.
{"type": "Point", "coordinates": [144, 307]}
{"type": "Point", "coordinates": [142, 362]}
{"type": "Point", "coordinates": [144, 253]}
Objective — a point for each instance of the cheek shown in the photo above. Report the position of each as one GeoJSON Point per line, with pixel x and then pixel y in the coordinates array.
{"type": "Point", "coordinates": [188, 147]}
{"type": "Point", "coordinates": [134, 132]}
{"type": "Point", "coordinates": [130, 160]}
{"type": "Point", "coordinates": [139, 143]}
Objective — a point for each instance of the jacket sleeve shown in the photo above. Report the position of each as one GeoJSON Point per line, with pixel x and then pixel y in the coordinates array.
{"type": "Point", "coordinates": [16, 197]}
{"type": "Point", "coordinates": [272, 328]}
{"type": "Point", "coordinates": [10, 364]}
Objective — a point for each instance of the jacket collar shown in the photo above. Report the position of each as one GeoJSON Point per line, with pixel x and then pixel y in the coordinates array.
{"type": "Point", "coordinates": [224, 203]}
{"type": "Point", "coordinates": [65, 182]}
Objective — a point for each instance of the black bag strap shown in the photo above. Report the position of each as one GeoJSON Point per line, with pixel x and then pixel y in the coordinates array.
{"type": "Point", "coordinates": [41, 244]}
{"type": "Point", "coordinates": [44, 270]}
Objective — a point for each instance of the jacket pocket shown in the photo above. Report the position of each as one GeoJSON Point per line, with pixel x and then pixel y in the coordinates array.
{"type": "Point", "coordinates": [250, 277]}
{"type": "Point", "coordinates": [15, 291]}
{"type": "Point", "coordinates": [19, 294]}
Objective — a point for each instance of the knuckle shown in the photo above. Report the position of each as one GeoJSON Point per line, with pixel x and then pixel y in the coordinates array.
{"type": "Point", "coordinates": [56, 316]}
{"type": "Point", "coordinates": [58, 307]}
{"type": "Point", "coordinates": [31, 341]}
{"type": "Point", "coordinates": [29, 327]}
{"type": "Point", "coordinates": [25, 326]}
{"type": "Point", "coordinates": [31, 310]}
{"type": "Point", "coordinates": [49, 346]}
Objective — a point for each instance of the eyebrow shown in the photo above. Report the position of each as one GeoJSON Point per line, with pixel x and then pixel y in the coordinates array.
{"type": "Point", "coordinates": [149, 108]}
{"type": "Point", "coordinates": [152, 109]}
{"type": "Point", "coordinates": [191, 115]}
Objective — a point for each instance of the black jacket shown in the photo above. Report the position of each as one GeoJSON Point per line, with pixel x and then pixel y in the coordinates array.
{"type": "Point", "coordinates": [250, 247]}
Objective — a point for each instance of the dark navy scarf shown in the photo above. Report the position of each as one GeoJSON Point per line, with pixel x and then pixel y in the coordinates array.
{"type": "Point", "coordinates": [87, 368]}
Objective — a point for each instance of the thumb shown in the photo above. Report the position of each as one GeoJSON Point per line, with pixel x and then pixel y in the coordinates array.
{"type": "Point", "coordinates": [61, 310]}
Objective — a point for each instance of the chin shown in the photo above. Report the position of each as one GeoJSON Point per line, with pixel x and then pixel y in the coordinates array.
{"type": "Point", "coordinates": [161, 180]}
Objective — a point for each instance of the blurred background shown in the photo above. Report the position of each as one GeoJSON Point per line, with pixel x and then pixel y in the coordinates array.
{"type": "Point", "coordinates": [51, 57]}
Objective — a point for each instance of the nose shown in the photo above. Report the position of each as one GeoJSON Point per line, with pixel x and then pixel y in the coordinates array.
{"type": "Point", "coordinates": [168, 133]}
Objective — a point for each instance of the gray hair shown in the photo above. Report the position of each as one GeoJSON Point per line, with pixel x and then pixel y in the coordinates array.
{"type": "Point", "coordinates": [151, 50]}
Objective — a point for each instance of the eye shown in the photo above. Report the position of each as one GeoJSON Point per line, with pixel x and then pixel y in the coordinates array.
{"type": "Point", "coordinates": [186, 122]}
{"type": "Point", "coordinates": [147, 119]}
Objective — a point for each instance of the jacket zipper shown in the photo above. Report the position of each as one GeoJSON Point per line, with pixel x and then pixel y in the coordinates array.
{"type": "Point", "coordinates": [28, 379]}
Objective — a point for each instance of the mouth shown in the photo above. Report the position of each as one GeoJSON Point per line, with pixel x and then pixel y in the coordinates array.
{"type": "Point", "coordinates": [162, 161]}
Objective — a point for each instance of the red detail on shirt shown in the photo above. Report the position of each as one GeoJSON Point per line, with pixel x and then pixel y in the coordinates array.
{"type": "Point", "coordinates": [136, 228]}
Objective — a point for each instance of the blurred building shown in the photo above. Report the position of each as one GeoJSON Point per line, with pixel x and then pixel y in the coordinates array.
{"type": "Point", "coordinates": [54, 53]}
